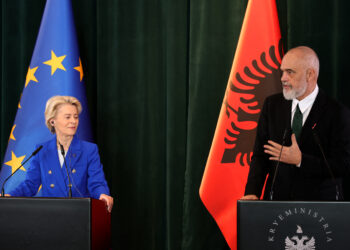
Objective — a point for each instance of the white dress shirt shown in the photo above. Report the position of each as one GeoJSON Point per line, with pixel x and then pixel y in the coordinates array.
{"type": "Point", "coordinates": [305, 105]}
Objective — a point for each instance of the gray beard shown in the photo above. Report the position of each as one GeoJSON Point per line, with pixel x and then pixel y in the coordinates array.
{"type": "Point", "coordinates": [294, 93]}
{"type": "Point", "coordinates": [289, 95]}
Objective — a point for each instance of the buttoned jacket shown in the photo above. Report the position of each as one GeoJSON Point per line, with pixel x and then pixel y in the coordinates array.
{"type": "Point", "coordinates": [84, 168]}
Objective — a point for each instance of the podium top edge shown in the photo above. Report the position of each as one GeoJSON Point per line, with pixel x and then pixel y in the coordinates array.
{"type": "Point", "coordinates": [43, 198]}
{"type": "Point", "coordinates": [291, 202]}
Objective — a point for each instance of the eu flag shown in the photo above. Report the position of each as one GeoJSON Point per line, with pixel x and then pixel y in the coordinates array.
{"type": "Point", "coordinates": [55, 69]}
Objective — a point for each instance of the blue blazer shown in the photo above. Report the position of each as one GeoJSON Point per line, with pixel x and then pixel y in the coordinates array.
{"type": "Point", "coordinates": [84, 166]}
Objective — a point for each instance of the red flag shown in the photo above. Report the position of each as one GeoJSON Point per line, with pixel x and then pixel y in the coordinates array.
{"type": "Point", "coordinates": [254, 75]}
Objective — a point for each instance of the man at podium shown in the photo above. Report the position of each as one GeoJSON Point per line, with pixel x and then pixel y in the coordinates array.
{"type": "Point", "coordinates": [302, 144]}
{"type": "Point", "coordinates": [66, 166]}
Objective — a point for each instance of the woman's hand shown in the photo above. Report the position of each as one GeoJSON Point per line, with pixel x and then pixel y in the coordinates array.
{"type": "Point", "coordinates": [108, 200]}
{"type": "Point", "coordinates": [250, 197]}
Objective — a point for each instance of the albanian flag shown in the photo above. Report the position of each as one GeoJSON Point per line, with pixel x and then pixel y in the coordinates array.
{"type": "Point", "coordinates": [254, 75]}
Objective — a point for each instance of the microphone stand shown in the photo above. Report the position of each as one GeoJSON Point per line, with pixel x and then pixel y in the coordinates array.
{"type": "Point", "coordinates": [278, 163]}
{"type": "Point", "coordinates": [318, 142]}
{"type": "Point", "coordinates": [65, 163]}
{"type": "Point", "coordinates": [34, 153]}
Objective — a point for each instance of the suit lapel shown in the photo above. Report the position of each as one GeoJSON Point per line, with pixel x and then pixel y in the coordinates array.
{"type": "Point", "coordinates": [286, 125]}
{"type": "Point", "coordinates": [288, 109]}
{"type": "Point", "coordinates": [314, 115]}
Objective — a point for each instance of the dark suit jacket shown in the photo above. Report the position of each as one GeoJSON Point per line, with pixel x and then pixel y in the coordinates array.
{"type": "Point", "coordinates": [312, 180]}
{"type": "Point", "coordinates": [85, 170]}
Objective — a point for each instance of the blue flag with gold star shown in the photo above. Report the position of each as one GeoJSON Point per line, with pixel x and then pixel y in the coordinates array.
{"type": "Point", "coordinates": [55, 69]}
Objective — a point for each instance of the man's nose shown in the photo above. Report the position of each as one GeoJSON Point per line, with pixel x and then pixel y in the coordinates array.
{"type": "Point", "coordinates": [283, 77]}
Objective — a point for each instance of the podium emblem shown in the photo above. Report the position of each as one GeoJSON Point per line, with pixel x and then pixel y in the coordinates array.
{"type": "Point", "coordinates": [300, 241]}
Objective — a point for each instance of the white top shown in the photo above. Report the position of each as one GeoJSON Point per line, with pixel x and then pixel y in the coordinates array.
{"type": "Point", "coordinates": [60, 156]}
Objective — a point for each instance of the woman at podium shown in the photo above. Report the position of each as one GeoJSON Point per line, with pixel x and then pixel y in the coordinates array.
{"type": "Point", "coordinates": [65, 166]}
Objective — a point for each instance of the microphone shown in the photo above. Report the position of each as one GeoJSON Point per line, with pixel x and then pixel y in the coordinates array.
{"type": "Point", "coordinates": [318, 142]}
{"type": "Point", "coordinates": [34, 153]}
{"type": "Point", "coordinates": [65, 163]}
{"type": "Point", "coordinates": [278, 163]}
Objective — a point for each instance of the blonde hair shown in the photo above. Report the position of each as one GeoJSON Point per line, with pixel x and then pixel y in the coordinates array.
{"type": "Point", "coordinates": [52, 106]}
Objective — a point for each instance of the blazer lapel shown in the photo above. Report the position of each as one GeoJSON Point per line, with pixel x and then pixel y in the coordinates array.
{"type": "Point", "coordinates": [56, 166]}
{"type": "Point", "coordinates": [73, 154]}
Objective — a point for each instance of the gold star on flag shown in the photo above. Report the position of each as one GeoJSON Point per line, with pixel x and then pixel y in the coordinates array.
{"type": "Point", "coordinates": [11, 135]}
{"type": "Point", "coordinates": [30, 75]}
{"type": "Point", "coordinates": [19, 103]}
{"type": "Point", "coordinates": [55, 62]}
{"type": "Point", "coordinates": [15, 162]}
{"type": "Point", "coordinates": [80, 69]}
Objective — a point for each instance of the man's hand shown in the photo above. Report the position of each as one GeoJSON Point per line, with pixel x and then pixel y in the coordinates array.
{"type": "Point", "coordinates": [250, 197]}
{"type": "Point", "coordinates": [290, 155]}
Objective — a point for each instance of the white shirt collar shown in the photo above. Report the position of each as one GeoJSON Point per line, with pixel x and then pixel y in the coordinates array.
{"type": "Point", "coordinates": [306, 102]}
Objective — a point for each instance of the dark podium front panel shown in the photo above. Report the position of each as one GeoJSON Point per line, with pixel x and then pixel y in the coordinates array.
{"type": "Point", "coordinates": [53, 223]}
{"type": "Point", "coordinates": [293, 225]}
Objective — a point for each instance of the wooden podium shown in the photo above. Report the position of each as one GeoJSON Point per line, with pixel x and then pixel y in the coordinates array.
{"type": "Point", "coordinates": [293, 225]}
{"type": "Point", "coordinates": [54, 223]}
